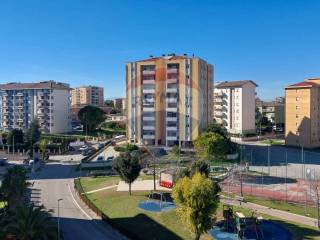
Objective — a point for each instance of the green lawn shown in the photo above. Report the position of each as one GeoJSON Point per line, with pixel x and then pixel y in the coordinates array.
{"type": "Point", "coordinates": [289, 207]}
{"type": "Point", "coordinates": [123, 209]}
{"type": "Point", "coordinates": [273, 142]}
{"type": "Point", "coordinates": [89, 184]}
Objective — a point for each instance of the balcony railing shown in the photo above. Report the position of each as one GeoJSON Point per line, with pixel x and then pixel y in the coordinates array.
{"type": "Point", "coordinates": [172, 70]}
{"type": "Point", "coordinates": [148, 72]}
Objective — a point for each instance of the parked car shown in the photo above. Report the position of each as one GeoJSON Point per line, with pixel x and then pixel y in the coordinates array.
{"type": "Point", "coordinates": [110, 158]}
{"type": "Point", "coordinates": [100, 158]}
{"type": "Point", "coordinates": [101, 145]}
{"type": "Point", "coordinates": [84, 147]}
{"type": "Point", "coordinates": [3, 161]}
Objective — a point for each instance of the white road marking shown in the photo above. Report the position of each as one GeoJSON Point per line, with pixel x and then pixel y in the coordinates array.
{"type": "Point", "coordinates": [75, 202]}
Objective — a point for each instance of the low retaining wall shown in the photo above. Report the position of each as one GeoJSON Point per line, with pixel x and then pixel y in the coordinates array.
{"type": "Point", "coordinates": [96, 210]}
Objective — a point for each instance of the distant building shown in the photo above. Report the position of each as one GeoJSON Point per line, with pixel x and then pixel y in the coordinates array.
{"type": "Point", "coordinates": [302, 118]}
{"type": "Point", "coordinates": [47, 101]}
{"type": "Point", "coordinates": [87, 95]}
{"type": "Point", "coordinates": [168, 99]}
{"type": "Point", "coordinates": [234, 106]}
{"type": "Point", "coordinates": [119, 103]}
{"type": "Point", "coordinates": [273, 111]}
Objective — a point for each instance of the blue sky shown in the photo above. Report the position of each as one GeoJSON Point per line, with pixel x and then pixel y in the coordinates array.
{"type": "Point", "coordinates": [81, 42]}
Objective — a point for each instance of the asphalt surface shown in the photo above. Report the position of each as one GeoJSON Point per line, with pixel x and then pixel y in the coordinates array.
{"type": "Point", "coordinates": [55, 181]}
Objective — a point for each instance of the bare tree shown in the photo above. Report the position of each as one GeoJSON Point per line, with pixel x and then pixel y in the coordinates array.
{"type": "Point", "coordinates": [315, 187]}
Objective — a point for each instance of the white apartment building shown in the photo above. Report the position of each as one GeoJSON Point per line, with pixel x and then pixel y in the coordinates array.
{"type": "Point", "coordinates": [234, 106]}
{"type": "Point", "coordinates": [48, 101]}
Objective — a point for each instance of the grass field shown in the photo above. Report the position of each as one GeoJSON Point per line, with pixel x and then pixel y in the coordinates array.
{"type": "Point", "coordinates": [123, 209]}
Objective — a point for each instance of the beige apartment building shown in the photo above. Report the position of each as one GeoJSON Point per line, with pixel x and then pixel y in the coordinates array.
{"type": "Point", "coordinates": [302, 114]}
{"type": "Point", "coordinates": [169, 99]}
{"type": "Point", "coordinates": [272, 110]}
{"type": "Point", "coordinates": [87, 95]}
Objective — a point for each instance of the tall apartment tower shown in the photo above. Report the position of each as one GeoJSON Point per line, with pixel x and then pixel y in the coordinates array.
{"type": "Point", "coordinates": [234, 106]}
{"type": "Point", "coordinates": [168, 99]}
{"type": "Point", "coordinates": [302, 113]}
{"type": "Point", "coordinates": [48, 101]}
{"type": "Point", "coordinates": [87, 95]}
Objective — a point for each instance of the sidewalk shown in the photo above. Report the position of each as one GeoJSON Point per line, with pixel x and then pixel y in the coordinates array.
{"type": "Point", "coordinates": [273, 212]}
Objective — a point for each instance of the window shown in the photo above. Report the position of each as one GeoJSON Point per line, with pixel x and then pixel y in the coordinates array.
{"type": "Point", "coordinates": [297, 107]}
{"type": "Point", "coordinates": [297, 98]}
{"type": "Point", "coordinates": [297, 116]}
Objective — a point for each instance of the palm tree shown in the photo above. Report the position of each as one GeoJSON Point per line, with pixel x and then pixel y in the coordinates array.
{"type": "Point", "coordinates": [14, 186]}
{"type": "Point", "coordinates": [28, 222]}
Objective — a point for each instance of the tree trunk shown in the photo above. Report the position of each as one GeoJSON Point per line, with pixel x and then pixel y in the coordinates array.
{"type": "Point", "coordinates": [197, 237]}
{"type": "Point", "coordinates": [130, 189]}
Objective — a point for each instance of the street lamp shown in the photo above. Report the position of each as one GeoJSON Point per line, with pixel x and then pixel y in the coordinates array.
{"type": "Point", "coordinates": [60, 199]}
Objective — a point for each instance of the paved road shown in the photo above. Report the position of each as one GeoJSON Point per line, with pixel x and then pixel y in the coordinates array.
{"type": "Point", "coordinates": [55, 181]}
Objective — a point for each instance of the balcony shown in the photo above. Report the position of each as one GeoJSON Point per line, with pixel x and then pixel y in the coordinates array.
{"type": "Point", "coordinates": [148, 109]}
{"type": "Point", "coordinates": [144, 90]}
{"type": "Point", "coordinates": [172, 90]}
{"type": "Point", "coordinates": [148, 136]}
{"type": "Point", "coordinates": [172, 128]}
{"type": "Point", "coordinates": [148, 81]}
{"type": "Point", "coordinates": [172, 138]}
{"type": "Point", "coordinates": [172, 70]}
{"type": "Point", "coordinates": [172, 80]}
{"type": "Point", "coordinates": [172, 109]}
{"type": "Point", "coordinates": [148, 118]}
{"type": "Point", "coordinates": [172, 100]}
{"type": "Point", "coordinates": [148, 72]}
{"type": "Point", "coordinates": [171, 119]}
{"type": "Point", "coordinates": [148, 127]}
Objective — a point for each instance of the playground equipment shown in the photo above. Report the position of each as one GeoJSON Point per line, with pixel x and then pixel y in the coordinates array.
{"type": "Point", "coordinates": [157, 202]}
{"type": "Point", "coordinates": [168, 177]}
{"type": "Point", "coordinates": [236, 226]}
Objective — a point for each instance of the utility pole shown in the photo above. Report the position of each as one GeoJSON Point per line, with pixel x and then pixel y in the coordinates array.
{"type": "Point", "coordinates": [13, 145]}
{"type": "Point", "coordinates": [302, 171]}
{"type": "Point", "coordinates": [60, 199]}
{"type": "Point", "coordinates": [285, 179]}
{"type": "Point", "coordinates": [269, 159]}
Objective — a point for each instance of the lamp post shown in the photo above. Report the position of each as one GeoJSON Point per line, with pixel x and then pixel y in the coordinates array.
{"type": "Point", "coordinates": [60, 199]}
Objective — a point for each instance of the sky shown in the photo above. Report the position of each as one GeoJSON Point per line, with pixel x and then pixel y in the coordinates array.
{"type": "Point", "coordinates": [273, 42]}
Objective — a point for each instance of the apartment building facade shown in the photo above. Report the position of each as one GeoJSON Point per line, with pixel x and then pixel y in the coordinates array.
{"type": "Point", "coordinates": [87, 95]}
{"type": "Point", "coordinates": [273, 111]}
{"type": "Point", "coordinates": [234, 106]}
{"type": "Point", "coordinates": [168, 99]}
{"type": "Point", "coordinates": [302, 114]}
{"type": "Point", "coordinates": [48, 101]}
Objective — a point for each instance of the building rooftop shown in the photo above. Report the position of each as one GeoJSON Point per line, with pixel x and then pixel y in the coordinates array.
{"type": "Point", "coordinates": [167, 57]}
{"type": "Point", "coordinates": [235, 84]}
{"type": "Point", "coordinates": [303, 85]}
{"type": "Point", "coordinates": [40, 85]}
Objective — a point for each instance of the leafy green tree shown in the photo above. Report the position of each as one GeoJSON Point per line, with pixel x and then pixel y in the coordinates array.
{"type": "Point", "coordinates": [109, 103]}
{"type": "Point", "coordinates": [91, 117]}
{"type": "Point", "coordinates": [128, 167]}
{"type": "Point", "coordinates": [175, 150]}
{"type": "Point", "coordinates": [30, 222]}
{"type": "Point", "coordinates": [216, 128]}
{"type": "Point", "coordinates": [131, 147]}
{"type": "Point", "coordinates": [209, 144]}
{"type": "Point", "coordinates": [32, 135]}
{"type": "Point", "coordinates": [197, 202]}
{"type": "Point", "coordinates": [43, 144]}
{"type": "Point", "coordinates": [14, 186]}
{"type": "Point", "coordinates": [200, 166]}
{"type": "Point", "coordinates": [17, 134]}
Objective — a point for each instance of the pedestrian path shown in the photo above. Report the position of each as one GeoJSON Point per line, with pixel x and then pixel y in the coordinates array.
{"type": "Point", "coordinates": [272, 212]}
{"type": "Point", "coordinates": [101, 189]}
